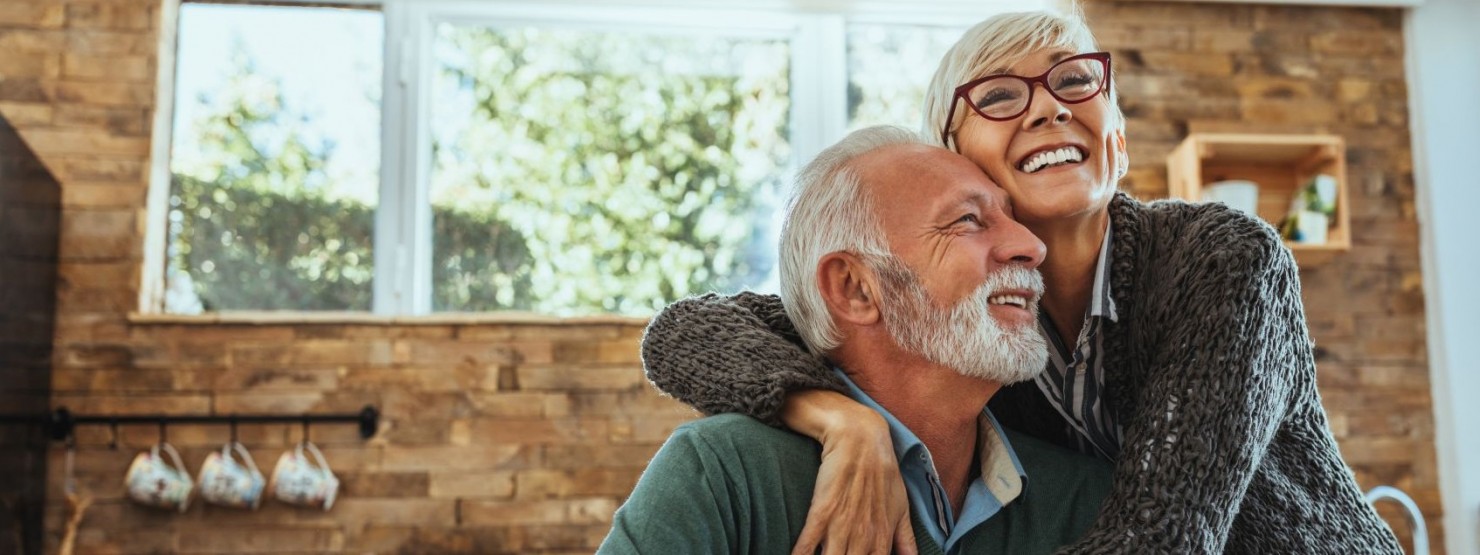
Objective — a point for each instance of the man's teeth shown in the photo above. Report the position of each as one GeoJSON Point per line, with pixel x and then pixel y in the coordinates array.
{"type": "Point", "coordinates": [1051, 158]}
{"type": "Point", "coordinates": [1014, 300]}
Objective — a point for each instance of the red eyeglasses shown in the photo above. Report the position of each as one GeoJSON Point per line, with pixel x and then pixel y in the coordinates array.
{"type": "Point", "coordinates": [1004, 97]}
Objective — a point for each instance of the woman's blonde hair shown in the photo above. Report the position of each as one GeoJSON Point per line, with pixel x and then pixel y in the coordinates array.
{"type": "Point", "coordinates": [993, 46]}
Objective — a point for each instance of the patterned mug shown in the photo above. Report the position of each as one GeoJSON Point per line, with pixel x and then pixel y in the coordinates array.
{"type": "Point", "coordinates": [154, 481]}
{"type": "Point", "coordinates": [299, 480]}
{"type": "Point", "coordinates": [225, 481]}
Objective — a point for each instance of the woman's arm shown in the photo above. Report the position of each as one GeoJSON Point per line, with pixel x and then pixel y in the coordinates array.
{"type": "Point", "coordinates": [1220, 384]}
{"type": "Point", "coordinates": [741, 354]}
{"type": "Point", "coordinates": [731, 354]}
{"type": "Point", "coordinates": [859, 503]}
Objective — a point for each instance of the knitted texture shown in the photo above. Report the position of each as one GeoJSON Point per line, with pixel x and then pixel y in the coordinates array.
{"type": "Point", "coordinates": [749, 336]}
{"type": "Point", "coordinates": [1209, 371]}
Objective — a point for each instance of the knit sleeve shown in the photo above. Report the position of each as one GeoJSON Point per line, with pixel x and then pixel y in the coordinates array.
{"type": "Point", "coordinates": [1219, 384]}
{"type": "Point", "coordinates": [731, 354]}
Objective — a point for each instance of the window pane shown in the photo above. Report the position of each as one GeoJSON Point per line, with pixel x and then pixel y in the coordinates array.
{"type": "Point", "coordinates": [889, 67]}
{"type": "Point", "coordinates": [582, 171]}
{"type": "Point", "coordinates": [275, 160]}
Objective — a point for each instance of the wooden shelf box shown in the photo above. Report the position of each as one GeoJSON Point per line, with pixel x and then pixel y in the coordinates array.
{"type": "Point", "coordinates": [1279, 164]}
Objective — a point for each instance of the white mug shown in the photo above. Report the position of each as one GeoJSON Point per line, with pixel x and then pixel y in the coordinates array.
{"type": "Point", "coordinates": [297, 480]}
{"type": "Point", "coordinates": [225, 481]}
{"type": "Point", "coordinates": [154, 481]}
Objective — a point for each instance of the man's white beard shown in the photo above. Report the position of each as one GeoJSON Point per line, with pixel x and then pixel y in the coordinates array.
{"type": "Point", "coordinates": [965, 337]}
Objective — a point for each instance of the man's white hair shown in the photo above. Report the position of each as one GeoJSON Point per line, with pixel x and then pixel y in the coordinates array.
{"type": "Point", "coordinates": [993, 46]}
{"type": "Point", "coordinates": [830, 211]}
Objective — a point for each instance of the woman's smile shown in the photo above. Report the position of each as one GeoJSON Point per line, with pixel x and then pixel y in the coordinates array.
{"type": "Point", "coordinates": [1053, 156]}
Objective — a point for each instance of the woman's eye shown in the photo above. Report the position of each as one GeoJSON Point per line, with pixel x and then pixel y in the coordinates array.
{"type": "Point", "coordinates": [1073, 81]}
{"type": "Point", "coordinates": [969, 219]}
{"type": "Point", "coordinates": [996, 96]}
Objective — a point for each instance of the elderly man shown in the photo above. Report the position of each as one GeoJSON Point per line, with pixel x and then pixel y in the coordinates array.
{"type": "Point", "coordinates": [902, 266]}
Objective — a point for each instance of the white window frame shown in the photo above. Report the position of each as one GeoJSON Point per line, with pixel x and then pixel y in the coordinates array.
{"type": "Point", "coordinates": [402, 286]}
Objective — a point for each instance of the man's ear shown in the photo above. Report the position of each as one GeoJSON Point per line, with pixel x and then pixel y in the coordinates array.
{"type": "Point", "coordinates": [849, 288]}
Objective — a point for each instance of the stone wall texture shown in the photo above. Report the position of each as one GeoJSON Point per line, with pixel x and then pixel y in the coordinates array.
{"type": "Point", "coordinates": [510, 437]}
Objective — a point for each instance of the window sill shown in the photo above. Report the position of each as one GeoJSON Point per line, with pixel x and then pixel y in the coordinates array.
{"type": "Point", "coordinates": [270, 318]}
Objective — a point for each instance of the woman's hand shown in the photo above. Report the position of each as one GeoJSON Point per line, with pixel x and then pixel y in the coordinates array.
{"type": "Point", "coordinates": [859, 504]}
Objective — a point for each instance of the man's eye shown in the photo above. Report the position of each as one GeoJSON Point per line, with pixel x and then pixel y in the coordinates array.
{"type": "Point", "coordinates": [969, 219]}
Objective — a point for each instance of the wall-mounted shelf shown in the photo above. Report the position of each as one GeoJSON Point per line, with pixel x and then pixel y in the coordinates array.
{"type": "Point", "coordinates": [1279, 164]}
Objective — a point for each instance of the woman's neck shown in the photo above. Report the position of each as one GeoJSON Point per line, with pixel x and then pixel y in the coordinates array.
{"type": "Point", "coordinates": [1069, 269]}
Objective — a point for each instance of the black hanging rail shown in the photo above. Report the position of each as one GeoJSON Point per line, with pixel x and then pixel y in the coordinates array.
{"type": "Point", "coordinates": [62, 422]}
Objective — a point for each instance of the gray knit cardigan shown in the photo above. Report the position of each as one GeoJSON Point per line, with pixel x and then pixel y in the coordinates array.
{"type": "Point", "coordinates": [1209, 370]}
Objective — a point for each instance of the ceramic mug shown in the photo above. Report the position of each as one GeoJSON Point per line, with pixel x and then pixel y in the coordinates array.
{"type": "Point", "coordinates": [301, 480]}
{"type": "Point", "coordinates": [228, 482]}
{"type": "Point", "coordinates": [156, 481]}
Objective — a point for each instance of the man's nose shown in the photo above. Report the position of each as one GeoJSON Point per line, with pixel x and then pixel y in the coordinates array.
{"type": "Point", "coordinates": [1019, 246]}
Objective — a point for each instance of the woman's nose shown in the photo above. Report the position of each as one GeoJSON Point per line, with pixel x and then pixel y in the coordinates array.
{"type": "Point", "coordinates": [1044, 109]}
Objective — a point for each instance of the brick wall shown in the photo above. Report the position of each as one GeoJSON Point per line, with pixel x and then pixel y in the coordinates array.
{"type": "Point", "coordinates": [30, 210]}
{"type": "Point", "coordinates": [523, 437]}
{"type": "Point", "coordinates": [496, 439]}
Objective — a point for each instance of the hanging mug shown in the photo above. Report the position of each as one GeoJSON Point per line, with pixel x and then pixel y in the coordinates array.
{"type": "Point", "coordinates": [228, 482]}
{"type": "Point", "coordinates": [299, 480]}
{"type": "Point", "coordinates": [154, 481]}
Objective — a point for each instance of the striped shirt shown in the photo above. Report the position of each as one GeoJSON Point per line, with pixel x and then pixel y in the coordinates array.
{"type": "Point", "coordinates": [1075, 378]}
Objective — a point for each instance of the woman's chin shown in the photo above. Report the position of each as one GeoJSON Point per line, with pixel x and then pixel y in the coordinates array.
{"type": "Point", "coordinates": [1051, 196]}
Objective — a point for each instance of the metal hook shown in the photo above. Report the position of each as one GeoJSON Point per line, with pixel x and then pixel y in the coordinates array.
{"type": "Point", "coordinates": [233, 428]}
{"type": "Point", "coordinates": [69, 471]}
{"type": "Point", "coordinates": [369, 421]}
{"type": "Point", "coordinates": [163, 437]}
{"type": "Point", "coordinates": [113, 434]}
{"type": "Point", "coordinates": [305, 428]}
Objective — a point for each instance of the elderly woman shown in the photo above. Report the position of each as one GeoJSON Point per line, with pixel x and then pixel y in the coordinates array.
{"type": "Point", "coordinates": [1179, 345]}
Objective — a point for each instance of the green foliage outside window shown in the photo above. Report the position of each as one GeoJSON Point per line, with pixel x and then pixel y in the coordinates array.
{"type": "Point", "coordinates": [254, 224]}
{"type": "Point", "coordinates": [633, 166]}
{"type": "Point", "coordinates": [588, 177]}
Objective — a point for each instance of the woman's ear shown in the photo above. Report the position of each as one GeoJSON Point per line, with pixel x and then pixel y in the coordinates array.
{"type": "Point", "coordinates": [1122, 158]}
{"type": "Point", "coordinates": [849, 288]}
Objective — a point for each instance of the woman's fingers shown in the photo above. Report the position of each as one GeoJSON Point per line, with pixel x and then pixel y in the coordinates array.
{"type": "Point", "coordinates": [859, 497]}
{"type": "Point", "coordinates": [811, 533]}
{"type": "Point", "coordinates": [904, 536]}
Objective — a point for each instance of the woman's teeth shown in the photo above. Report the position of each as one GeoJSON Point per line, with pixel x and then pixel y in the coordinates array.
{"type": "Point", "coordinates": [1051, 158]}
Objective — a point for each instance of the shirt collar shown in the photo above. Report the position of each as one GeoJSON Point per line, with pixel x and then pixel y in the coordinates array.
{"type": "Point", "coordinates": [1101, 304]}
{"type": "Point", "coordinates": [1001, 471]}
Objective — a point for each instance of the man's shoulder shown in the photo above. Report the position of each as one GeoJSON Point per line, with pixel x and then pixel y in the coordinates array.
{"type": "Point", "coordinates": [743, 436]}
{"type": "Point", "coordinates": [1060, 498]}
{"type": "Point", "coordinates": [722, 484]}
{"type": "Point", "coordinates": [1052, 469]}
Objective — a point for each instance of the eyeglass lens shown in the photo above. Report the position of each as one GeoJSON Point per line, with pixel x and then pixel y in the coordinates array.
{"type": "Point", "coordinates": [1007, 96]}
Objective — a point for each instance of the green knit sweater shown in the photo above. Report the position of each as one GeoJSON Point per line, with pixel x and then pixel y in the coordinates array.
{"type": "Point", "coordinates": [731, 484]}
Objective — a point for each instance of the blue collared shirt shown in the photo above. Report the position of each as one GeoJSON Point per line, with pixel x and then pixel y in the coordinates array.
{"type": "Point", "coordinates": [1001, 478]}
